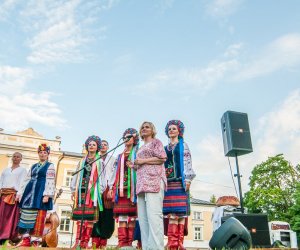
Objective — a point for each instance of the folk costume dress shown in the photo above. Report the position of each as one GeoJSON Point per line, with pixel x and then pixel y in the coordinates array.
{"type": "Point", "coordinates": [124, 192]}
{"type": "Point", "coordinates": [178, 171]}
{"type": "Point", "coordinates": [105, 226]}
{"type": "Point", "coordinates": [93, 202]}
{"type": "Point", "coordinates": [124, 188]}
{"type": "Point", "coordinates": [10, 183]}
{"type": "Point", "coordinates": [39, 182]}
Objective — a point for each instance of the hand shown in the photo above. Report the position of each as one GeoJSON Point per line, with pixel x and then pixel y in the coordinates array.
{"type": "Point", "coordinates": [129, 164]}
{"type": "Point", "coordinates": [45, 199]}
{"type": "Point", "coordinates": [109, 194]}
{"type": "Point", "coordinates": [18, 198]}
{"type": "Point", "coordinates": [139, 161]}
{"type": "Point", "coordinates": [187, 186]}
{"type": "Point", "coordinates": [73, 196]}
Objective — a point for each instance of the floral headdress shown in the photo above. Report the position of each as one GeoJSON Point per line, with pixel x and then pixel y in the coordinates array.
{"type": "Point", "coordinates": [95, 139]}
{"type": "Point", "coordinates": [179, 125]}
{"type": "Point", "coordinates": [44, 147]}
{"type": "Point", "coordinates": [132, 131]}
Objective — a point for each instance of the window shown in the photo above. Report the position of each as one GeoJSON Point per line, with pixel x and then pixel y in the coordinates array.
{"type": "Point", "coordinates": [197, 215]}
{"type": "Point", "coordinates": [198, 234]}
{"type": "Point", "coordinates": [68, 178]}
{"type": "Point", "coordinates": [65, 221]}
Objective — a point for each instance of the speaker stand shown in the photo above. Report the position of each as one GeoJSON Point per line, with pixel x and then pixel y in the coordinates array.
{"type": "Point", "coordinates": [239, 182]}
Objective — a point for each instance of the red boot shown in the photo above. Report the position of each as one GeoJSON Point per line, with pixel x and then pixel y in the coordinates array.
{"type": "Point", "coordinates": [96, 242]}
{"type": "Point", "coordinates": [77, 239]}
{"type": "Point", "coordinates": [172, 237]}
{"type": "Point", "coordinates": [139, 244]}
{"type": "Point", "coordinates": [25, 242]}
{"type": "Point", "coordinates": [130, 235]}
{"type": "Point", "coordinates": [122, 237]}
{"type": "Point", "coordinates": [181, 236]}
{"type": "Point", "coordinates": [86, 237]}
{"type": "Point", "coordinates": [103, 242]}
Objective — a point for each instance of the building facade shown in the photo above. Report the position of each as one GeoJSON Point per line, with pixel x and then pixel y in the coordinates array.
{"type": "Point", "coordinates": [27, 141]}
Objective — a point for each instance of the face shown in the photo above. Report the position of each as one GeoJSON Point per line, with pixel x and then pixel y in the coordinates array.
{"type": "Point", "coordinates": [104, 147]}
{"type": "Point", "coordinates": [130, 141]}
{"type": "Point", "coordinates": [173, 131]}
{"type": "Point", "coordinates": [16, 158]}
{"type": "Point", "coordinates": [92, 147]}
{"type": "Point", "coordinates": [146, 130]}
{"type": "Point", "coordinates": [43, 156]}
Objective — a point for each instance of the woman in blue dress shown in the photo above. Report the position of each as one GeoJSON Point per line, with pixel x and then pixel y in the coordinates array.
{"type": "Point", "coordinates": [179, 173]}
{"type": "Point", "coordinates": [36, 197]}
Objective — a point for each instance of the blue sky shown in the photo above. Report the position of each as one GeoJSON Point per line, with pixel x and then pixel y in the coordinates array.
{"type": "Point", "coordinates": [81, 67]}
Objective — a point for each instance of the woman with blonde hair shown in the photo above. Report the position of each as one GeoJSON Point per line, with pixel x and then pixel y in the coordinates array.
{"type": "Point", "coordinates": [150, 187]}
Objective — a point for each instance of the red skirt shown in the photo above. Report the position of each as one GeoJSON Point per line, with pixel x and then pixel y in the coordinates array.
{"type": "Point", "coordinates": [125, 207]}
{"type": "Point", "coordinates": [9, 217]}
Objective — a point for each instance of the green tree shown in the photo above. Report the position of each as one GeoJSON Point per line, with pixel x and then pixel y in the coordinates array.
{"type": "Point", "coordinates": [272, 186]}
{"type": "Point", "coordinates": [295, 213]}
{"type": "Point", "coordinates": [213, 199]}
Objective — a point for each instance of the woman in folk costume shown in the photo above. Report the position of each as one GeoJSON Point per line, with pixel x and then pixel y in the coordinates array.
{"type": "Point", "coordinates": [179, 174]}
{"type": "Point", "coordinates": [88, 208]}
{"type": "Point", "coordinates": [36, 197]}
{"type": "Point", "coordinates": [123, 191]}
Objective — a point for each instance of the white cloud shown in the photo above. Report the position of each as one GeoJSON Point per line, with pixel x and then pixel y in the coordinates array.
{"type": "Point", "coordinates": [59, 30]}
{"type": "Point", "coordinates": [277, 131]}
{"type": "Point", "coordinates": [281, 129]}
{"type": "Point", "coordinates": [19, 109]}
{"type": "Point", "coordinates": [13, 79]}
{"type": "Point", "coordinates": [233, 50]}
{"type": "Point", "coordinates": [222, 8]}
{"type": "Point", "coordinates": [5, 7]}
{"type": "Point", "coordinates": [213, 172]}
{"type": "Point", "coordinates": [201, 79]}
{"type": "Point", "coordinates": [283, 52]}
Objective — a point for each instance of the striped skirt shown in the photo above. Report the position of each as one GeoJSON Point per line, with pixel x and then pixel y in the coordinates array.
{"type": "Point", "coordinates": [176, 200]}
{"type": "Point", "coordinates": [91, 212]}
{"type": "Point", "coordinates": [32, 221]}
{"type": "Point", "coordinates": [125, 207]}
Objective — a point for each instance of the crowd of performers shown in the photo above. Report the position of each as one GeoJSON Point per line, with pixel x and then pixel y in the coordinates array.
{"type": "Point", "coordinates": [145, 189]}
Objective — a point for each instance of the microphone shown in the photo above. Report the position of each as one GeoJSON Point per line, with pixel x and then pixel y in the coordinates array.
{"type": "Point", "coordinates": [128, 136]}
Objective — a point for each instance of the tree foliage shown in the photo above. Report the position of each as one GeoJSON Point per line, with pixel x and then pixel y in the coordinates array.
{"type": "Point", "coordinates": [272, 187]}
{"type": "Point", "coordinates": [294, 212]}
{"type": "Point", "coordinates": [213, 199]}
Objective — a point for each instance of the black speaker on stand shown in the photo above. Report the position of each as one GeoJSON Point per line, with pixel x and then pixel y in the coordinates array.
{"type": "Point", "coordinates": [236, 140]}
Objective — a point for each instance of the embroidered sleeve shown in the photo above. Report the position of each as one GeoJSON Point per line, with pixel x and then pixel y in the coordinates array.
{"type": "Point", "coordinates": [112, 178]}
{"type": "Point", "coordinates": [74, 179]}
{"type": "Point", "coordinates": [25, 181]}
{"type": "Point", "coordinates": [50, 182]}
{"type": "Point", "coordinates": [187, 161]}
{"type": "Point", "coordinates": [159, 150]}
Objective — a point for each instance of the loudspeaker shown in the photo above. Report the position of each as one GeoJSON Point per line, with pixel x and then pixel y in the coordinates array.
{"type": "Point", "coordinates": [231, 234]}
{"type": "Point", "coordinates": [257, 225]}
{"type": "Point", "coordinates": [236, 133]}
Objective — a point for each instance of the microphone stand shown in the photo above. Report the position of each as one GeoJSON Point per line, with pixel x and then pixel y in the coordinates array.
{"type": "Point", "coordinates": [88, 168]}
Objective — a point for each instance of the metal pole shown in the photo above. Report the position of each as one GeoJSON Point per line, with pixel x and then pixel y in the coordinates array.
{"type": "Point", "coordinates": [239, 183]}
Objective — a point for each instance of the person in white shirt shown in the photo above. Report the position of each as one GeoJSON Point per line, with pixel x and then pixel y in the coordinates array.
{"type": "Point", "coordinates": [10, 182]}
{"type": "Point", "coordinates": [104, 228]}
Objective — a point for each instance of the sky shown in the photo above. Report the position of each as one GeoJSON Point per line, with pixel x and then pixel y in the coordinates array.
{"type": "Point", "coordinates": [73, 68]}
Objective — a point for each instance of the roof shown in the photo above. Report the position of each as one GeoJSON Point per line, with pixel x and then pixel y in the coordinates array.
{"type": "Point", "coordinates": [201, 202]}
{"type": "Point", "coordinates": [67, 153]}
